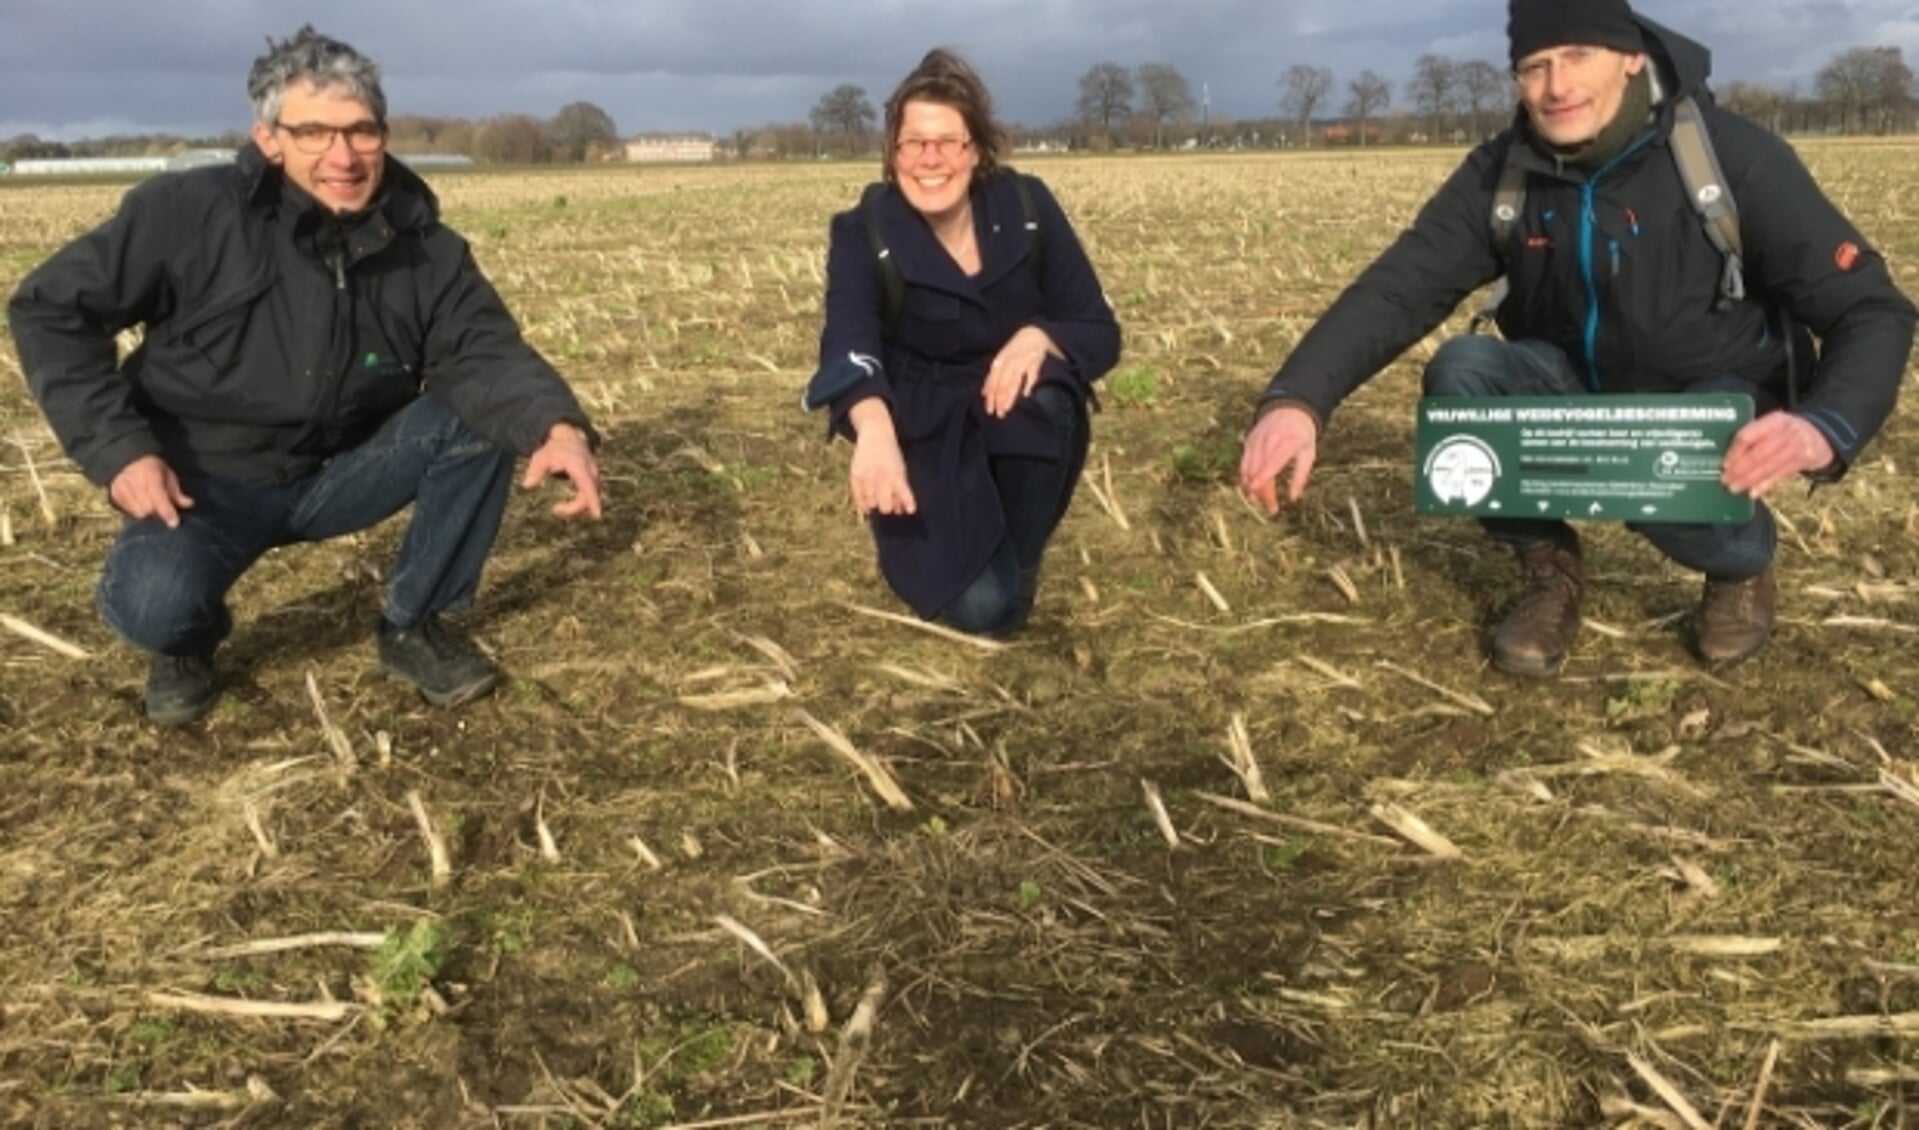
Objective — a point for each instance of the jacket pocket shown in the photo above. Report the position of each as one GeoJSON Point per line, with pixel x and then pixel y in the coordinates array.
{"type": "Point", "coordinates": [1545, 294]}
{"type": "Point", "coordinates": [1665, 321]}
{"type": "Point", "coordinates": [1623, 281]}
{"type": "Point", "coordinates": [197, 365]}
{"type": "Point", "coordinates": [368, 396]}
{"type": "Point", "coordinates": [215, 332]}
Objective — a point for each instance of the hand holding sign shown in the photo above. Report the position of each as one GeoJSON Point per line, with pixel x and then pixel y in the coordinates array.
{"type": "Point", "coordinates": [1771, 450]}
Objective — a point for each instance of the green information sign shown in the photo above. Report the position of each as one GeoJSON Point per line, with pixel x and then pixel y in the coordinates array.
{"type": "Point", "coordinates": [1601, 458]}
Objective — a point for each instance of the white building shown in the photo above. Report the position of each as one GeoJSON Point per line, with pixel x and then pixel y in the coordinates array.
{"type": "Point", "coordinates": [196, 158]}
{"type": "Point", "coordinates": [653, 149]}
{"type": "Point", "coordinates": [88, 166]}
{"type": "Point", "coordinates": [120, 166]}
{"type": "Point", "coordinates": [417, 161]}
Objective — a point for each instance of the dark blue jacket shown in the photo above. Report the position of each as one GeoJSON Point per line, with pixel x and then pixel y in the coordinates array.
{"type": "Point", "coordinates": [950, 328]}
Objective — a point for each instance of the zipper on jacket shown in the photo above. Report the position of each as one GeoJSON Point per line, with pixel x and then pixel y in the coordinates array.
{"type": "Point", "coordinates": [1592, 289]}
{"type": "Point", "coordinates": [334, 373]}
{"type": "Point", "coordinates": [1587, 222]}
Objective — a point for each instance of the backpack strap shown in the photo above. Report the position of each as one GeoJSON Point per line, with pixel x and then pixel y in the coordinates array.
{"type": "Point", "coordinates": [1711, 197]}
{"type": "Point", "coordinates": [1035, 238]}
{"type": "Point", "coordinates": [1706, 187]}
{"type": "Point", "coordinates": [1509, 200]}
{"type": "Point", "coordinates": [892, 284]}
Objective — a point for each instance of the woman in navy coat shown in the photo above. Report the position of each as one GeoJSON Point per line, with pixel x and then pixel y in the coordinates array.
{"type": "Point", "coordinates": [964, 389]}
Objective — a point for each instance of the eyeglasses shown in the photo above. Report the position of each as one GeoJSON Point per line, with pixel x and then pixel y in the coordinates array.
{"type": "Point", "coordinates": [912, 148]}
{"type": "Point", "coordinates": [313, 137]}
{"type": "Point", "coordinates": [1533, 72]}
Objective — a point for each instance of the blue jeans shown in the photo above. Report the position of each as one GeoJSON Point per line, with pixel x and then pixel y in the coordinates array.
{"type": "Point", "coordinates": [164, 590]}
{"type": "Point", "coordinates": [1033, 496]}
{"type": "Point", "coordinates": [1478, 365]}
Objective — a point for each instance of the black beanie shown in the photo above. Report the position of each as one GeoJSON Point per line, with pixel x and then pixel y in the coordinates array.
{"type": "Point", "coordinates": [1535, 25]}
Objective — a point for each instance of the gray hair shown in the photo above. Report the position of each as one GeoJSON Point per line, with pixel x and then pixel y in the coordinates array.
{"type": "Point", "coordinates": [311, 57]}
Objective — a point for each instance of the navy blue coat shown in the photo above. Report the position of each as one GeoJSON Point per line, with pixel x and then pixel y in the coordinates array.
{"type": "Point", "coordinates": [950, 328]}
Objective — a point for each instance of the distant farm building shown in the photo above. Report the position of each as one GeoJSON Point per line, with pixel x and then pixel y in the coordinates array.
{"type": "Point", "coordinates": [190, 159]}
{"type": "Point", "coordinates": [119, 166]}
{"type": "Point", "coordinates": [88, 166]}
{"type": "Point", "coordinates": [655, 149]}
{"type": "Point", "coordinates": [197, 158]}
{"type": "Point", "coordinates": [434, 160]}
{"type": "Point", "coordinates": [1344, 134]}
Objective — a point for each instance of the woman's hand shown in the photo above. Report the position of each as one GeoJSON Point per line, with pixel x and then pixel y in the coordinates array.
{"type": "Point", "coordinates": [1015, 371]}
{"type": "Point", "coordinates": [878, 476]}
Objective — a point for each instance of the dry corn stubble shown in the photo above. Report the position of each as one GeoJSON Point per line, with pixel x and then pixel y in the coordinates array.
{"type": "Point", "coordinates": [1629, 866]}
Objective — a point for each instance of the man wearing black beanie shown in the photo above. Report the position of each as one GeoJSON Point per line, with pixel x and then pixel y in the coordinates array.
{"type": "Point", "coordinates": [1535, 25]}
{"type": "Point", "coordinates": [1616, 284]}
{"type": "Point", "coordinates": [1575, 61]}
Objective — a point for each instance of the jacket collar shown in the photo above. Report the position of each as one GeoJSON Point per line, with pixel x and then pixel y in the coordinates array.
{"type": "Point", "coordinates": [1530, 156]}
{"type": "Point", "coordinates": [404, 201]}
{"type": "Point", "coordinates": [998, 224]}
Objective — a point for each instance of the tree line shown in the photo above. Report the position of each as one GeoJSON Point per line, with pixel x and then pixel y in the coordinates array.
{"type": "Point", "coordinates": [1861, 90]}
{"type": "Point", "coordinates": [579, 132]}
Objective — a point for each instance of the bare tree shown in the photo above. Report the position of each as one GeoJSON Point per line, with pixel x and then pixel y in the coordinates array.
{"type": "Point", "coordinates": [1165, 97]}
{"type": "Point", "coordinates": [413, 133]}
{"type": "Point", "coordinates": [791, 139]}
{"type": "Point", "coordinates": [1302, 90]}
{"type": "Point", "coordinates": [846, 112]}
{"type": "Point", "coordinates": [1871, 86]}
{"type": "Point", "coordinates": [1482, 87]}
{"type": "Point", "coordinates": [1761, 103]}
{"type": "Point", "coordinates": [581, 128]}
{"type": "Point", "coordinates": [1845, 81]}
{"type": "Point", "coordinates": [1894, 90]}
{"type": "Point", "coordinates": [515, 139]}
{"type": "Point", "coordinates": [1431, 90]}
{"type": "Point", "coordinates": [29, 147]}
{"type": "Point", "coordinates": [458, 137]}
{"type": "Point", "coordinates": [1105, 97]}
{"type": "Point", "coordinates": [1367, 96]}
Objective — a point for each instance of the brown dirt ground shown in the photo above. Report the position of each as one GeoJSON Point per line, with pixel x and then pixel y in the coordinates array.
{"type": "Point", "coordinates": [1666, 873]}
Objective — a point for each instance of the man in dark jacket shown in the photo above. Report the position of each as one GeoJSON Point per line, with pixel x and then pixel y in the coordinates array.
{"type": "Point", "coordinates": [318, 351]}
{"type": "Point", "coordinates": [1616, 287]}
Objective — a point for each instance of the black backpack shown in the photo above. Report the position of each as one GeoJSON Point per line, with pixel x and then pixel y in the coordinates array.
{"type": "Point", "coordinates": [894, 286]}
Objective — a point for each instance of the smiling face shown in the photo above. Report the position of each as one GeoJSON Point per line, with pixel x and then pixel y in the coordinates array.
{"type": "Point", "coordinates": [327, 142]}
{"type": "Point", "coordinates": [934, 158]}
{"type": "Point", "coordinates": [1573, 93]}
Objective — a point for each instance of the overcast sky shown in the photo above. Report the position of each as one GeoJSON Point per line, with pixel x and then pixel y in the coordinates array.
{"type": "Point", "coordinates": [85, 68]}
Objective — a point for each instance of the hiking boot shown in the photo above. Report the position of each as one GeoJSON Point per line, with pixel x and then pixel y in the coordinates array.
{"type": "Point", "coordinates": [438, 659]}
{"type": "Point", "coordinates": [1535, 636]}
{"type": "Point", "coordinates": [180, 688]}
{"type": "Point", "coordinates": [1734, 618]}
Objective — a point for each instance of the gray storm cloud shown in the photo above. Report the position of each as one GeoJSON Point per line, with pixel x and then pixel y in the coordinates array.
{"type": "Point", "coordinates": [79, 67]}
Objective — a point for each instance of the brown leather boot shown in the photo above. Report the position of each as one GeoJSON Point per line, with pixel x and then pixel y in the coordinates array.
{"type": "Point", "coordinates": [1734, 618]}
{"type": "Point", "coordinates": [1535, 636]}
